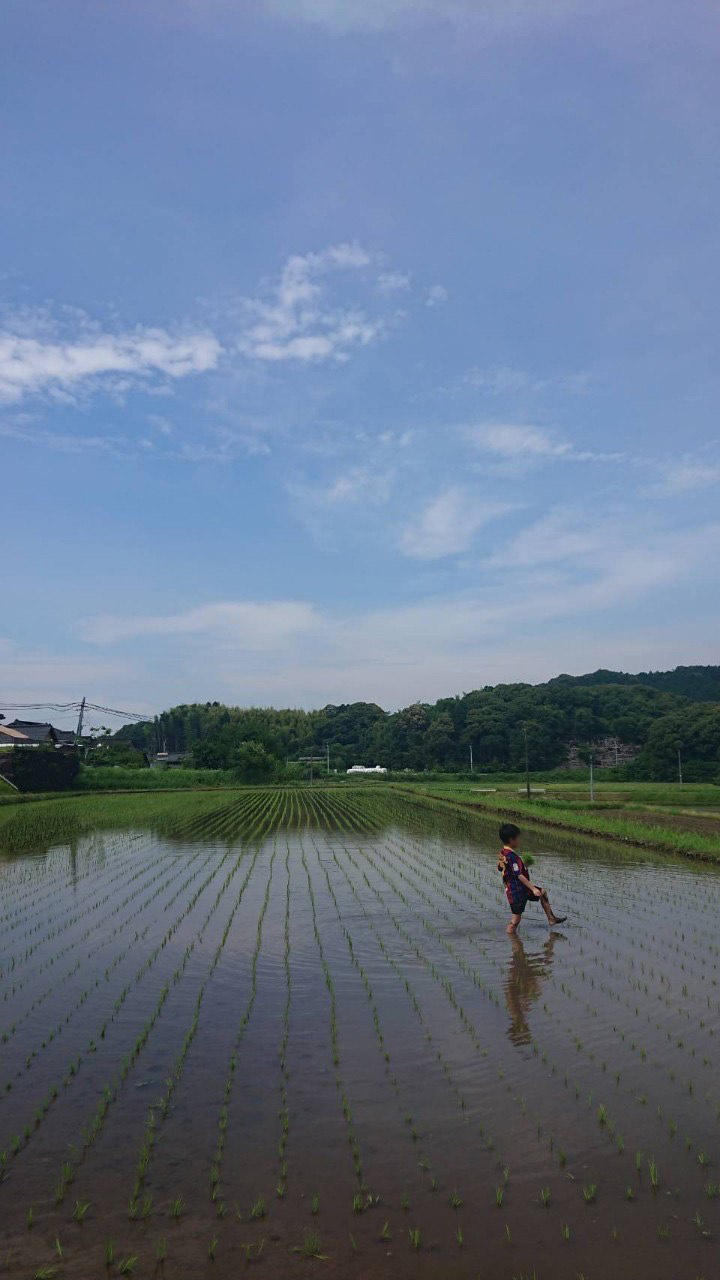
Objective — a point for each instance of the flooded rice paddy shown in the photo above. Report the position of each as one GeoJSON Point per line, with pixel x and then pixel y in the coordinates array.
{"type": "Point", "coordinates": [285, 1034]}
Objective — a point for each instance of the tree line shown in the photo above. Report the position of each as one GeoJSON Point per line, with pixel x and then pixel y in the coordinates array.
{"type": "Point", "coordinates": [492, 721]}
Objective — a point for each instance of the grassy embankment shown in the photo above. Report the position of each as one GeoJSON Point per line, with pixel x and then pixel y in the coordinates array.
{"type": "Point", "coordinates": [649, 815]}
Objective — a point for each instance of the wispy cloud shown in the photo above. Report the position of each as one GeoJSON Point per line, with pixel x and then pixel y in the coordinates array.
{"type": "Point", "coordinates": [393, 282]}
{"type": "Point", "coordinates": [581, 570]}
{"type": "Point", "coordinates": [521, 445]}
{"type": "Point", "coordinates": [30, 365]}
{"type": "Point", "coordinates": [448, 524]}
{"type": "Point", "coordinates": [436, 295]}
{"type": "Point", "coordinates": [502, 380]}
{"type": "Point", "coordinates": [298, 322]}
{"type": "Point", "coordinates": [687, 474]}
{"type": "Point", "coordinates": [254, 625]}
{"type": "Point", "coordinates": [496, 16]}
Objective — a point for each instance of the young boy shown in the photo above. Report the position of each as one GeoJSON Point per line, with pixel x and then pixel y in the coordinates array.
{"type": "Point", "coordinates": [519, 888]}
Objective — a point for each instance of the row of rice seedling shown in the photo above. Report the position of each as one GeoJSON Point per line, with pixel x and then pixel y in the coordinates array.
{"type": "Point", "coordinates": [112, 1089]}
{"type": "Point", "coordinates": [216, 1193]}
{"type": "Point", "coordinates": [158, 1110]}
{"type": "Point", "coordinates": [411, 1127]}
{"type": "Point", "coordinates": [69, 1073]}
{"type": "Point", "coordinates": [149, 891]}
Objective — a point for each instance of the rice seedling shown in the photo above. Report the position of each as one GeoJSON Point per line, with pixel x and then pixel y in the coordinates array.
{"type": "Point", "coordinates": [459, 1237]}
{"type": "Point", "coordinates": [257, 1209]}
{"type": "Point", "coordinates": [177, 1207]}
{"type": "Point", "coordinates": [545, 1196]}
{"type": "Point", "coordinates": [126, 1266]}
{"type": "Point", "coordinates": [315, 1205]}
{"type": "Point", "coordinates": [212, 1248]}
{"type": "Point", "coordinates": [311, 1246]}
{"type": "Point", "coordinates": [414, 1238]}
{"type": "Point", "coordinates": [499, 1196]}
{"type": "Point", "coordinates": [80, 1210]}
{"type": "Point", "coordinates": [45, 1273]}
{"type": "Point", "coordinates": [455, 1200]}
{"type": "Point", "coordinates": [589, 1192]}
{"type": "Point", "coordinates": [161, 1250]}
{"type": "Point", "coordinates": [565, 1231]}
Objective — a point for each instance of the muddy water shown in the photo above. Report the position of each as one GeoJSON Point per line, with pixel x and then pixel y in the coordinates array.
{"type": "Point", "coordinates": [297, 1027]}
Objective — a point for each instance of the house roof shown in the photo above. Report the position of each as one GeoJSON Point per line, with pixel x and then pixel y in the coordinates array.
{"type": "Point", "coordinates": [35, 730]}
{"type": "Point", "coordinates": [14, 735]}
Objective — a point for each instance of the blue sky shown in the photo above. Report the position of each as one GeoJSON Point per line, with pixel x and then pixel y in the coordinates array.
{"type": "Point", "coordinates": [356, 350]}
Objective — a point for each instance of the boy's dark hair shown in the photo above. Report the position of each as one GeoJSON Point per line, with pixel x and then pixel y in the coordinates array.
{"type": "Point", "coordinates": [508, 831]}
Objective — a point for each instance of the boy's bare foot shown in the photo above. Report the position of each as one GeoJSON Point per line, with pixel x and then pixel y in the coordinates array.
{"type": "Point", "coordinates": [558, 919]}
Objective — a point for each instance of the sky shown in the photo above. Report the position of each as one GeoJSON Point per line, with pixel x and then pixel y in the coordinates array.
{"type": "Point", "coordinates": [355, 349]}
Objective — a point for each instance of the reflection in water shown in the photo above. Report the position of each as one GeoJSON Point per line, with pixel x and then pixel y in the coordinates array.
{"type": "Point", "coordinates": [523, 984]}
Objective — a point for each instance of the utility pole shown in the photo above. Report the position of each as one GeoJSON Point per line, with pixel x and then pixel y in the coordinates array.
{"type": "Point", "coordinates": [327, 756]}
{"type": "Point", "coordinates": [471, 758]}
{"type": "Point", "coordinates": [78, 731]}
{"type": "Point", "coordinates": [527, 763]}
{"type": "Point", "coordinates": [680, 782]}
{"type": "Point", "coordinates": [592, 780]}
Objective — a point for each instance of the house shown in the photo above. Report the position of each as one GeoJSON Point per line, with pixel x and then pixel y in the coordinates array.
{"type": "Point", "coordinates": [66, 737]}
{"type": "Point", "coordinates": [10, 737]}
{"type": "Point", "coordinates": [171, 760]}
{"type": "Point", "coordinates": [39, 734]}
{"type": "Point", "coordinates": [366, 768]}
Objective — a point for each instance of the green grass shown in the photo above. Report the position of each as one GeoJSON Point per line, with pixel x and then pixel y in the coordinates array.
{"type": "Point", "coordinates": [40, 823]}
{"type": "Point", "coordinates": [558, 811]}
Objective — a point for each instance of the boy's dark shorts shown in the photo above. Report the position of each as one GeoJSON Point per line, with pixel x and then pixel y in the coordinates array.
{"type": "Point", "coordinates": [518, 905]}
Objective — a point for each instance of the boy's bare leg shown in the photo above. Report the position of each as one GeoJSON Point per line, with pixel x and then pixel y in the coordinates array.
{"type": "Point", "coordinates": [545, 904]}
{"type": "Point", "coordinates": [514, 922]}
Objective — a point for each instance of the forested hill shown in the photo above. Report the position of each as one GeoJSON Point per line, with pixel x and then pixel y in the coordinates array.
{"type": "Point", "coordinates": [583, 710]}
{"type": "Point", "coordinates": [702, 684]}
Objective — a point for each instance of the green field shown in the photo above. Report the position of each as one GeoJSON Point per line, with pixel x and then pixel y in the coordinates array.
{"type": "Point", "coordinates": [683, 819]}
{"type": "Point", "coordinates": [283, 1032]}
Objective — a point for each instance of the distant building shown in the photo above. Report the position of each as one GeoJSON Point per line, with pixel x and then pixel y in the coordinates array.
{"type": "Point", "coordinates": [366, 768]}
{"type": "Point", "coordinates": [171, 760]}
{"type": "Point", "coordinates": [10, 737]}
{"type": "Point", "coordinates": [35, 731]}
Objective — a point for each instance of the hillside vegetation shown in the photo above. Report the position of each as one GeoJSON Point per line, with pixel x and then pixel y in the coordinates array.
{"type": "Point", "coordinates": [660, 712]}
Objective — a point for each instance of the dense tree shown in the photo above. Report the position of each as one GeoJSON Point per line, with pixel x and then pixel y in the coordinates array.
{"type": "Point", "coordinates": [493, 720]}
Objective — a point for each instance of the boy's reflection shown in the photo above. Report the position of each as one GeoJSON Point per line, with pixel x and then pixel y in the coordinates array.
{"type": "Point", "coordinates": [523, 984]}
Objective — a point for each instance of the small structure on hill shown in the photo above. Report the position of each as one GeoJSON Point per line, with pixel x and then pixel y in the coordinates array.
{"type": "Point", "coordinates": [366, 768]}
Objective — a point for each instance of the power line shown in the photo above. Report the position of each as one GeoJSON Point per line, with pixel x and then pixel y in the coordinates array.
{"type": "Point", "coordinates": [71, 706]}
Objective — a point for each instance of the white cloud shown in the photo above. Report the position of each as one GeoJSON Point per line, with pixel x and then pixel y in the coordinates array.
{"type": "Point", "coordinates": [685, 475]}
{"type": "Point", "coordinates": [448, 523]}
{"type": "Point", "coordinates": [491, 16]}
{"type": "Point", "coordinates": [436, 295]}
{"type": "Point", "coordinates": [501, 380]}
{"type": "Point", "coordinates": [528, 617]}
{"type": "Point", "coordinates": [254, 625]}
{"type": "Point", "coordinates": [298, 323]}
{"type": "Point", "coordinates": [509, 440]}
{"type": "Point", "coordinates": [392, 282]}
{"type": "Point", "coordinates": [35, 364]}
{"type": "Point", "coordinates": [520, 445]}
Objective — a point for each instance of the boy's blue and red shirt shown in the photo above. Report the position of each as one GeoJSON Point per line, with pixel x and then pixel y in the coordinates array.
{"type": "Point", "coordinates": [514, 867]}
